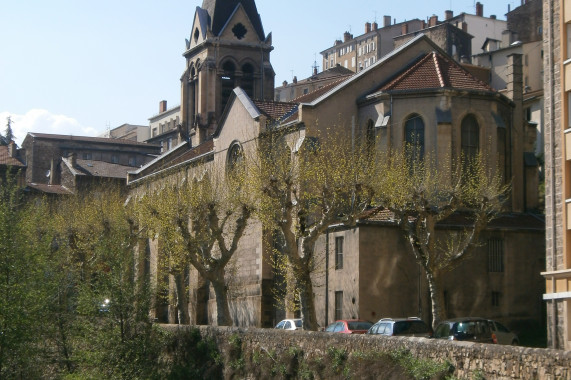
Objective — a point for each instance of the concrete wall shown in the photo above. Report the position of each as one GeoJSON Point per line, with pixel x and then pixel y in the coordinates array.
{"type": "Point", "coordinates": [491, 361]}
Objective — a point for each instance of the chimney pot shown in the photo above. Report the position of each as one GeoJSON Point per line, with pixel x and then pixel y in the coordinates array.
{"type": "Point", "coordinates": [346, 37]}
{"type": "Point", "coordinates": [162, 106]}
{"type": "Point", "coordinates": [448, 15]}
{"type": "Point", "coordinates": [367, 27]}
{"type": "Point", "coordinates": [295, 79]}
{"type": "Point", "coordinates": [387, 21]}
{"type": "Point", "coordinates": [433, 21]}
{"type": "Point", "coordinates": [375, 26]}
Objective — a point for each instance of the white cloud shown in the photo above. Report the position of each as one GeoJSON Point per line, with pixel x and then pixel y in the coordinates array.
{"type": "Point", "coordinates": [42, 121]}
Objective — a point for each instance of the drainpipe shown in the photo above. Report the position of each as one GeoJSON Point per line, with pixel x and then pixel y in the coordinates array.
{"type": "Point", "coordinates": [326, 278]}
{"type": "Point", "coordinates": [553, 182]}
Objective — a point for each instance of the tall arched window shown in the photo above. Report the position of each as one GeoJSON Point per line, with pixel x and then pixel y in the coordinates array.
{"type": "Point", "coordinates": [228, 83]}
{"type": "Point", "coordinates": [414, 136]}
{"type": "Point", "coordinates": [470, 131]}
{"type": "Point", "coordinates": [248, 79]}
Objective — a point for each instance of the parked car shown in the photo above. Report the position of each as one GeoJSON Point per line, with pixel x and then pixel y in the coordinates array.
{"type": "Point", "coordinates": [349, 326]}
{"type": "Point", "coordinates": [502, 335]}
{"type": "Point", "coordinates": [401, 327]}
{"type": "Point", "coordinates": [468, 329]}
{"type": "Point", "coordinates": [290, 324]}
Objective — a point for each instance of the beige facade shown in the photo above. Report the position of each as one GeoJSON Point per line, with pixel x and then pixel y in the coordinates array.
{"type": "Point", "coordinates": [379, 277]}
{"type": "Point", "coordinates": [557, 78]}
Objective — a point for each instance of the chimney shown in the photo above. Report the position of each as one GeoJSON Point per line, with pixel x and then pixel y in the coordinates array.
{"type": "Point", "coordinates": [433, 21]}
{"type": "Point", "coordinates": [12, 149]}
{"type": "Point", "coordinates": [294, 80]}
{"type": "Point", "coordinates": [284, 83]}
{"type": "Point", "coordinates": [315, 70]}
{"type": "Point", "coordinates": [493, 17]}
{"type": "Point", "coordinates": [404, 28]}
{"type": "Point", "coordinates": [448, 15]}
{"type": "Point", "coordinates": [346, 37]}
{"type": "Point", "coordinates": [375, 26]}
{"type": "Point", "coordinates": [387, 21]}
{"type": "Point", "coordinates": [367, 27]}
{"type": "Point", "coordinates": [162, 106]}
{"type": "Point", "coordinates": [480, 9]}
{"type": "Point", "coordinates": [465, 27]}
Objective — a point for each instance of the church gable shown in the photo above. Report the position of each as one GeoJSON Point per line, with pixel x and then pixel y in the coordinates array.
{"type": "Point", "coordinates": [199, 30]}
{"type": "Point", "coordinates": [239, 27]}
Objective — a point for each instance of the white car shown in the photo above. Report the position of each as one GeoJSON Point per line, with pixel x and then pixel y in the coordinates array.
{"type": "Point", "coordinates": [502, 334]}
{"type": "Point", "coordinates": [290, 324]}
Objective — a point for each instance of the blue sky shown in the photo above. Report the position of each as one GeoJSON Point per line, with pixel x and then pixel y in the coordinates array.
{"type": "Point", "coordinates": [79, 67]}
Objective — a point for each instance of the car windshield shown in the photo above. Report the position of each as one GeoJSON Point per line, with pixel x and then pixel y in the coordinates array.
{"type": "Point", "coordinates": [298, 323]}
{"type": "Point", "coordinates": [359, 325]}
{"type": "Point", "coordinates": [442, 331]}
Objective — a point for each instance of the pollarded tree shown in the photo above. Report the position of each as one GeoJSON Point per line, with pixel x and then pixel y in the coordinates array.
{"type": "Point", "coordinates": [200, 222]}
{"type": "Point", "coordinates": [421, 193]}
{"type": "Point", "coordinates": [326, 182]}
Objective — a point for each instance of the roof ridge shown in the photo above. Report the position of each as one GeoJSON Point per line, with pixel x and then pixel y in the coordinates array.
{"type": "Point", "coordinates": [436, 59]}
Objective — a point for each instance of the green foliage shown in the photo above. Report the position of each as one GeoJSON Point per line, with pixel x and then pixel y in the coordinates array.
{"type": "Point", "coordinates": [420, 369]}
{"type": "Point", "coordinates": [338, 357]}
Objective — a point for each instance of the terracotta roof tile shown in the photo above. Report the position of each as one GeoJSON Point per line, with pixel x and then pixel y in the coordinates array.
{"type": "Point", "coordinates": [275, 110]}
{"type": "Point", "coordinates": [434, 70]}
{"type": "Point", "coordinates": [6, 160]}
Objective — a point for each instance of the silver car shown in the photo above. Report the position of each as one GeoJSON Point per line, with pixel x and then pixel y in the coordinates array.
{"type": "Point", "coordinates": [502, 335]}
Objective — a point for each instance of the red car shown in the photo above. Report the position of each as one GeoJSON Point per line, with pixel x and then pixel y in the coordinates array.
{"type": "Point", "coordinates": [349, 326]}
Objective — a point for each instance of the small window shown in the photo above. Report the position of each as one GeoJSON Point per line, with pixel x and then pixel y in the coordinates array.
{"type": "Point", "coordinates": [339, 252]}
{"type": "Point", "coordinates": [287, 325]}
{"type": "Point", "coordinates": [132, 161]}
{"type": "Point", "coordinates": [87, 156]}
{"type": "Point", "coordinates": [114, 159]}
{"type": "Point", "coordinates": [338, 305]}
{"type": "Point", "coordinates": [495, 255]}
{"type": "Point", "coordinates": [239, 31]}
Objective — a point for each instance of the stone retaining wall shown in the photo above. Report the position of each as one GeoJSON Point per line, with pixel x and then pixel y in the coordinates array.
{"type": "Point", "coordinates": [490, 361]}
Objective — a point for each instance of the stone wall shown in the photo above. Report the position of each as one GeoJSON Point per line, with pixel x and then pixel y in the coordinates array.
{"type": "Point", "coordinates": [489, 361]}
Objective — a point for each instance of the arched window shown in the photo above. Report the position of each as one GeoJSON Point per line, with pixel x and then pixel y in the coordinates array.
{"type": "Point", "coordinates": [228, 82]}
{"type": "Point", "coordinates": [235, 155]}
{"type": "Point", "coordinates": [470, 132]}
{"type": "Point", "coordinates": [414, 136]}
{"type": "Point", "coordinates": [248, 79]}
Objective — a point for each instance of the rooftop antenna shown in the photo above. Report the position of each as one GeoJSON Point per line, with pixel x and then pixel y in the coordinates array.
{"type": "Point", "coordinates": [314, 68]}
{"type": "Point", "coordinates": [375, 16]}
{"type": "Point", "coordinates": [291, 74]}
{"type": "Point", "coordinates": [108, 127]}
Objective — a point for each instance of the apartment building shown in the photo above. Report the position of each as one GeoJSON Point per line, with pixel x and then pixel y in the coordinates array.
{"type": "Point", "coordinates": [557, 79]}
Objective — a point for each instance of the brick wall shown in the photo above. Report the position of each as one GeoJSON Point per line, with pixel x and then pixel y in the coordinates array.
{"type": "Point", "coordinates": [492, 361]}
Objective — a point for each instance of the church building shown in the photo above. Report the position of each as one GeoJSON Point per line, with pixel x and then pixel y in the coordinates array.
{"type": "Point", "coordinates": [416, 91]}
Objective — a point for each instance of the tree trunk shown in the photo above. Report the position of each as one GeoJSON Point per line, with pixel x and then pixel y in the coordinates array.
{"type": "Point", "coordinates": [222, 309]}
{"type": "Point", "coordinates": [436, 298]}
{"type": "Point", "coordinates": [181, 299]}
{"type": "Point", "coordinates": [307, 301]}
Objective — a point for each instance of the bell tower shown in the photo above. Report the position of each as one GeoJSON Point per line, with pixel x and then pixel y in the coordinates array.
{"type": "Point", "coordinates": [227, 48]}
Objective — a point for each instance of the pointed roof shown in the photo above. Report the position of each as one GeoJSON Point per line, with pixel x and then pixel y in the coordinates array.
{"type": "Point", "coordinates": [221, 10]}
{"type": "Point", "coordinates": [435, 70]}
